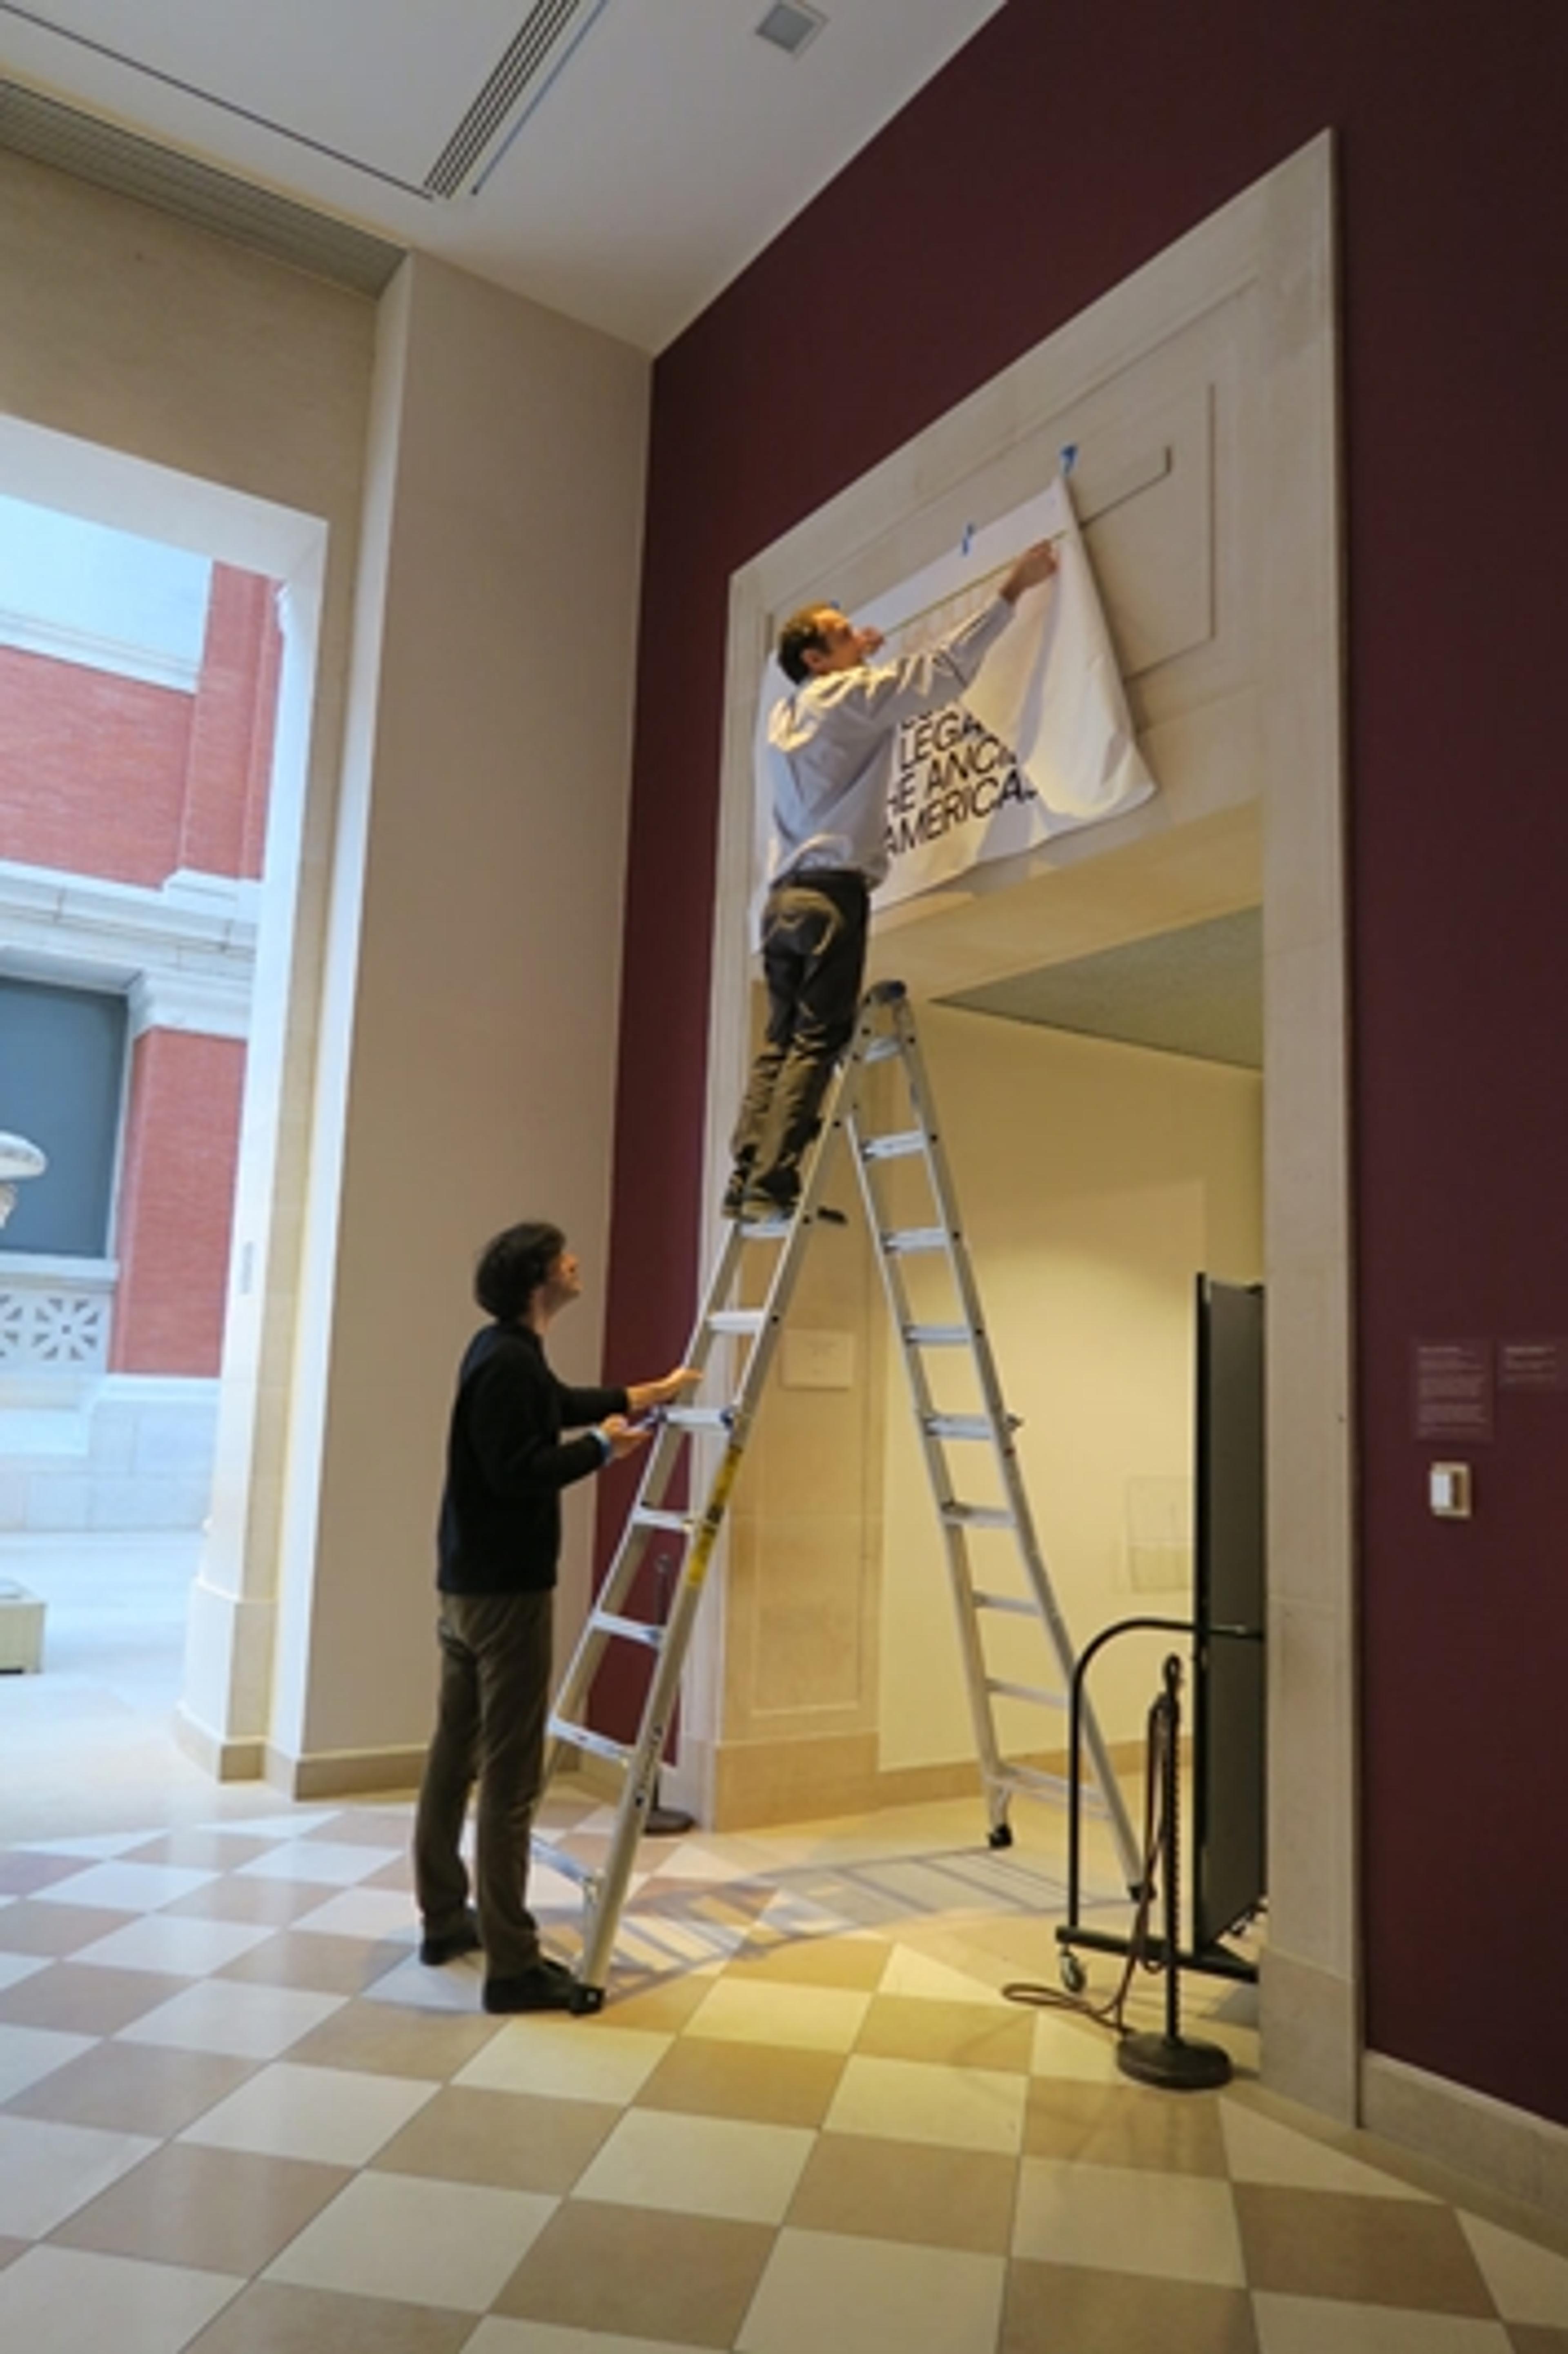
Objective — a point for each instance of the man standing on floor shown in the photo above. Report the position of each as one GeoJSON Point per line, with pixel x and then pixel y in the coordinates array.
{"type": "Point", "coordinates": [830, 751]}
{"type": "Point", "coordinates": [499, 1540]}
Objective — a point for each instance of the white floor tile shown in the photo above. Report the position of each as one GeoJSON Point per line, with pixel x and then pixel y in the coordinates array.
{"type": "Point", "coordinates": [340, 2117]}
{"type": "Point", "coordinates": [573, 2059]}
{"type": "Point", "coordinates": [1064, 2047]}
{"type": "Point", "coordinates": [699, 2166]}
{"type": "Point", "coordinates": [363, 1913]}
{"type": "Point", "coordinates": [1528, 2283]}
{"type": "Point", "coordinates": [180, 1947]}
{"type": "Point", "coordinates": [276, 1827]}
{"type": "Point", "coordinates": [99, 1845]}
{"type": "Point", "coordinates": [920, 2100]}
{"type": "Point", "coordinates": [914, 1973]}
{"type": "Point", "coordinates": [15, 1967]}
{"type": "Point", "coordinates": [496, 2336]}
{"type": "Point", "coordinates": [28, 2054]}
{"type": "Point", "coordinates": [1259, 2150]}
{"type": "Point", "coordinates": [72, 2303]}
{"type": "Point", "coordinates": [1128, 2219]}
{"type": "Point", "coordinates": [334, 1863]}
{"type": "Point", "coordinates": [410, 1986]}
{"type": "Point", "coordinates": [1320, 2324]}
{"type": "Point", "coordinates": [424, 2243]}
{"type": "Point", "coordinates": [48, 2171]}
{"type": "Point", "coordinates": [125, 1887]}
{"type": "Point", "coordinates": [838, 2295]}
{"type": "Point", "coordinates": [769, 2011]}
{"type": "Point", "coordinates": [252, 2022]}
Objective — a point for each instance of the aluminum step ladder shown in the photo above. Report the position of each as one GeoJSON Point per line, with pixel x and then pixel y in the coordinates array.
{"type": "Point", "coordinates": [885, 1032]}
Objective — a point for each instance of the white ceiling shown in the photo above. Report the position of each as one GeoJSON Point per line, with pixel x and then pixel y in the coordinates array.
{"type": "Point", "coordinates": [671, 145]}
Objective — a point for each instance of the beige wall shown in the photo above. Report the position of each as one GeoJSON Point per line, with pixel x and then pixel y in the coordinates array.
{"type": "Point", "coordinates": [447, 992]}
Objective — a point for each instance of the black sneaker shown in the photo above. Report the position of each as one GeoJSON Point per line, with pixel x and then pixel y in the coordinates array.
{"type": "Point", "coordinates": [763, 1209]}
{"type": "Point", "coordinates": [452, 1943]}
{"type": "Point", "coordinates": [547, 1985]}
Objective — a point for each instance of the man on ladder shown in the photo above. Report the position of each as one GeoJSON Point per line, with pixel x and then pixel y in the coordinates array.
{"type": "Point", "coordinates": [829, 753]}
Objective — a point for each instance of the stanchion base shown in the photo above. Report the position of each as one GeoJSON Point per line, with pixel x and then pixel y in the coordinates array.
{"type": "Point", "coordinates": [1174, 2064]}
{"type": "Point", "coordinates": [668, 1822]}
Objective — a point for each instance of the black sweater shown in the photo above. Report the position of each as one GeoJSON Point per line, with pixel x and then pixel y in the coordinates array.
{"type": "Point", "coordinates": [506, 1464]}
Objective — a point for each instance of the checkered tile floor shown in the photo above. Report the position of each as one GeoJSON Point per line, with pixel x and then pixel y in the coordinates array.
{"type": "Point", "coordinates": [238, 2118]}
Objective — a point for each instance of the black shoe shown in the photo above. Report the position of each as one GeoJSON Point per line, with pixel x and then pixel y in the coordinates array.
{"type": "Point", "coordinates": [734, 1201]}
{"type": "Point", "coordinates": [763, 1209]}
{"type": "Point", "coordinates": [453, 1945]}
{"type": "Point", "coordinates": [547, 1985]}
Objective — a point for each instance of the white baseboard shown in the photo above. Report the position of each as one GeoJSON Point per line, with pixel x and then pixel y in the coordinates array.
{"type": "Point", "coordinates": [1508, 2150]}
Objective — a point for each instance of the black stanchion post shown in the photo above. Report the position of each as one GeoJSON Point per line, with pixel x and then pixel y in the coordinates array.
{"type": "Point", "coordinates": [1167, 2059]}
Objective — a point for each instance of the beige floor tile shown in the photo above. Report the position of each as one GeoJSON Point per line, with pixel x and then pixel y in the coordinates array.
{"type": "Point", "coordinates": [320, 1965]}
{"type": "Point", "coordinates": [199, 1848]}
{"type": "Point", "coordinates": [220, 2211]}
{"type": "Point", "coordinates": [335, 2116]}
{"type": "Point", "coordinates": [28, 2054]}
{"type": "Point", "coordinates": [1074, 2048]}
{"type": "Point", "coordinates": [1316, 2324]}
{"type": "Point", "coordinates": [727, 2167]}
{"type": "Point", "coordinates": [1123, 2125]}
{"type": "Point", "coordinates": [1088, 2312]}
{"type": "Point", "coordinates": [388, 1829]}
{"type": "Point", "coordinates": [33, 1926]}
{"type": "Point", "coordinates": [125, 2089]}
{"type": "Point", "coordinates": [858, 1963]}
{"type": "Point", "coordinates": [684, 2280]}
{"type": "Point", "coordinates": [124, 1887]}
{"type": "Point", "coordinates": [842, 2295]}
{"type": "Point", "coordinates": [574, 2059]}
{"type": "Point", "coordinates": [760, 2010]}
{"type": "Point", "coordinates": [1259, 2149]}
{"type": "Point", "coordinates": [496, 2336]}
{"type": "Point", "coordinates": [49, 2170]}
{"type": "Point", "coordinates": [269, 2319]}
{"type": "Point", "coordinates": [251, 2022]}
{"type": "Point", "coordinates": [75, 2303]}
{"type": "Point", "coordinates": [83, 1999]}
{"type": "Point", "coordinates": [394, 2042]}
{"type": "Point", "coordinates": [11, 2249]}
{"type": "Point", "coordinates": [516, 2141]}
{"type": "Point", "coordinates": [325, 1862]}
{"type": "Point", "coordinates": [267, 1904]}
{"type": "Point", "coordinates": [22, 1873]}
{"type": "Point", "coordinates": [911, 1972]}
{"type": "Point", "coordinates": [1126, 2218]}
{"type": "Point", "coordinates": [450, 2245]}
{"type": "Point", "coordinates": [717, 2078]}
{"type": "Point", "coordinates": [1530, 2337]}
{"type": "Point", "coordinates": [1370, 2251]}
{"type": "Point", "coordinates": [663, 2004]}
{"type": "Point", "coordinates": [925, 2101]}
{"type": "Point", "coordinates": [1528, 2283]}
{"type": "Point", "coordinates": [898, 2191]}
{"type": "Point", "coordinates": [963, 2034]}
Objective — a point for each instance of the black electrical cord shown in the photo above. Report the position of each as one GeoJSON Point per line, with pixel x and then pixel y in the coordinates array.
{"type": "Point", "coordinates": [1112, 2012]}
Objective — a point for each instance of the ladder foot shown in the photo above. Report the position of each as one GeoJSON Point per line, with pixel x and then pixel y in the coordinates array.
{"type": "Point", "coordinates": [999, 1835]}
{"type": "Point", "coordinates": [587, 1998]}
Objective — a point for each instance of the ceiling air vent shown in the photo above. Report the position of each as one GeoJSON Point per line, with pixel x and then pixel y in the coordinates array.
{"type": "Point", "coordinates": [540, 48]}
{"type": "Point", "coordinates": [789, 26]}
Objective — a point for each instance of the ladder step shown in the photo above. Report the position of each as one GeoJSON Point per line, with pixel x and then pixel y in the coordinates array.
{"type": "Point", "coordinates": [915, 1238]}
{"type": "Point", "coordinates": [1015, 1604]}
{"type": "Point", "coordinates": [1032, 1692]}
{"type": "Point", "coordinates": [738, 1319]}
{"type": "Point", "coordinates": [899, 1147]}
{"type": "Point", "coordinates": [881, 1050]}
{"type": "Point", "coordinates": [980, 1516]}
{"type": "Point", "coordinates": [598, 1744]}
{"type": "Point", "coordinates": [649, 1516]}
{"type": "Point", "coordinates": [699, 1418]}
{"type": "Point", "coordinates": [630, 1630]}
{"type": "Point", "coordinates": [556, 1859]}
{"type": "Point", "coordinates": [959, 1426]}
{"type": "Point", "coordinates": [937, 1336]}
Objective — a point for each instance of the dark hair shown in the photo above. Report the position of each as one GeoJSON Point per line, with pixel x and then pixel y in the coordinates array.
{"type": "Point", "coordinates": [801, 635]}
{"type": "Point", "coordinates": [513, 1266]}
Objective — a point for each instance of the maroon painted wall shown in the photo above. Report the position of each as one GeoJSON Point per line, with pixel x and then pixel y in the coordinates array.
{"type": "Point", "coordinates": [1064, 147]}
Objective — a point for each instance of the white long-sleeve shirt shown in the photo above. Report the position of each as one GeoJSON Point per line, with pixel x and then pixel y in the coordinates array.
{"type": "Point", "coordinates": [831, 746]}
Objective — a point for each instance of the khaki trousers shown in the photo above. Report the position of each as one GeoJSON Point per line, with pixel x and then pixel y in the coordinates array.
{"type": "Point", "coordinates": [490, 1728]}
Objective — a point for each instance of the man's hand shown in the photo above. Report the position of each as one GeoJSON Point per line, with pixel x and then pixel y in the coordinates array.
{"type": "Point", "coordinates": [624, 1437]}
{"type": "Point", "coordinates": [641, 1395]}
{"type": "Point", "coordinates": [1036, 564]}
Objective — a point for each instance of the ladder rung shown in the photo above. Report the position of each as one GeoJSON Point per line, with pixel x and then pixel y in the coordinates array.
{"type": "Point", "coordinates": [898, 1147]}
{"type": "Point", "coordinates": [915, 1238]}
{"type": "Point", "coordinates": [1013, 1603]}
{"type": "Point", "coordinates": [977, 1516]}
{"type": "Point", "coordinates": [556, 1859]}
{"type": "Point", "coordinates": [598, 1744]}
{"type": "Point", "coordinates": [1033, 1692]}
{"type": "Point", "coordinates": [1034, 1779]}
{"type": "Point", "coordinates": [880, 1050]}
{"type": "Point", "coordinates": [959, 1426]}
{"type": "Point", "coordinates": [631, 1630]}
{"type": "Point", "coordinates": [738, 1319]}
{"type": "Point", "coordinates": [699, 1418]}
{"type": "Point", "coordinates": [649, 1516]}
{"type": "Point", "coordinates": [937, 1336]}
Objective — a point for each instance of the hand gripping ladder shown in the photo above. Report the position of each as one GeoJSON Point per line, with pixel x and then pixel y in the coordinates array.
{"type": "Point", "coordinates": [885, 1030]}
